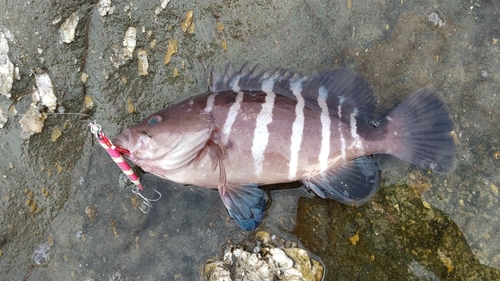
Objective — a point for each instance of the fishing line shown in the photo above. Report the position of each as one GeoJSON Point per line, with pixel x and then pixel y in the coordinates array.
{"type": "Point", "coordinates": [114, 152]}
{"type": "Point", "coordinates": [49, 114]}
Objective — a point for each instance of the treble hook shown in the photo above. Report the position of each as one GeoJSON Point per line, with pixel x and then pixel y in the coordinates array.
{"type": "Point", "coordinates": [146, 201]}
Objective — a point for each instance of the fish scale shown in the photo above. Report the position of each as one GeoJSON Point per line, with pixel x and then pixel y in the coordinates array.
{"type": "Point", "coordinates": [256, 128]}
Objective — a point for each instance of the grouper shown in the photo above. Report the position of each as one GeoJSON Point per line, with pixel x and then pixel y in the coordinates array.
{"type": "Point", "coordinates": [256, 128]}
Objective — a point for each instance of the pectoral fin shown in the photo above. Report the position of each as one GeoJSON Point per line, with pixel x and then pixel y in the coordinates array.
{"type": "Point", "coordinates": [246, 204]}
{"type": "Point", "coordinates": [354, 183]}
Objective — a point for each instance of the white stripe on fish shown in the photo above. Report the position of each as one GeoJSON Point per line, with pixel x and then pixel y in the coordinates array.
{"type": "Point", "coordinates": [268, 84]}
{"type": "Point", "coordinates": [231, 117]}
{"type": "Point", "coordinates": [210, 102]}
{"type": "Point", "coordinates": [297, 128]}
{"type": "Point", "coordinates": [234, 83]}
{"type": "Point", "coordinates": [354, 132]}
{"type": "Point", "coordinates": [341, 133]}
{"type": "Point", "coordinates": [325, 129]}
{"type": "Point", "coordinates": [261, 133]}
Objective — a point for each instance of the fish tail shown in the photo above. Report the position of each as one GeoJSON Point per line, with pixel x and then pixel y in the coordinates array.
{"type": "Point", "coordinates": [421, 129]}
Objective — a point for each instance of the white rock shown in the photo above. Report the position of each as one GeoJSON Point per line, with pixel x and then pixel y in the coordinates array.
{"type": "Point", "coordinates": [3, 118]}
{"type": "Point", "coordinates": [57, 19]}
{"type": "Point", "coordinates": [67, 29]}
{"type": "Point", "coordinates": [129, 41]}
{"type": "Point", "coordinates": [220, 273]}
{"type": "Point", "coordinates": [228, 258]}
{"type": "Point", "coordinates": [44, 92]}
{"type": "Point", "coordinates": [435, 19]}
{"type": "Point", "coordinates": [8, 35]}
{"type": "Point", "coordinates": [17, 75]}
{"type": "Point", "coordinates": [6, 67]}
{"type": "Point", "coordinates": [105, 7]}
{"type": "Point", "coordinates": [4, 46]}
{"type": "Point", "coordinates": [163, 5]}
{"type": "Point", "coordinates": [32, 122]}
{"type": "Point", "coordinates": [142, 62]}
{"type": "Point", "coordinates": [126, 53]}
{"type": "Point", "coordinates": [269, 262]}
{"type": "Point", "coordinates": [251, 267]}
{"type": "Point", "coordinates": [281, 258]}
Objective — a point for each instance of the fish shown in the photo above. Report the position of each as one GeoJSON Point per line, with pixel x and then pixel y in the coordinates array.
{"type": "Point", "coordinates": [256, 128]}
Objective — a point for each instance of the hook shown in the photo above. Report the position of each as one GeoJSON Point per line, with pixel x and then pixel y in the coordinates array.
{"type": "Point", "coordinates": [146, 201]}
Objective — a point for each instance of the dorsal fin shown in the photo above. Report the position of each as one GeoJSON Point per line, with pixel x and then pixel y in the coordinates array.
{"type": "Point", "coordinates": [244, 80]}
{"type": "Point", "coordinates": [347, 93]}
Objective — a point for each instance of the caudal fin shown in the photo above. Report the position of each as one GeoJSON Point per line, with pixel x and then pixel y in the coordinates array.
{"type": "Point", "coordinates": [421, 132]}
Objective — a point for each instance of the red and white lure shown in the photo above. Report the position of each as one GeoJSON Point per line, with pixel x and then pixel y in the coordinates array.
{"type": "Point", "coordinates": [116, 154]}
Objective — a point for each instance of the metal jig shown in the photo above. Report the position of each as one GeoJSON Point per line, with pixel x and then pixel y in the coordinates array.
{"type": "Point", "coordinates": [116, 155]}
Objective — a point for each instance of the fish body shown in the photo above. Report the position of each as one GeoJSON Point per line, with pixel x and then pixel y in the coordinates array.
{"type": "Point", "coordinates": [257, 128]}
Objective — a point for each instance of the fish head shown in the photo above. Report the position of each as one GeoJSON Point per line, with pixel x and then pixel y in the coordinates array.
{"type": "Point", "coordinates": [166, 141]}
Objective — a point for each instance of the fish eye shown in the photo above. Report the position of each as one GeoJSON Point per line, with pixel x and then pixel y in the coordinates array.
{"type": "Point", "coordinates": [153, 120]}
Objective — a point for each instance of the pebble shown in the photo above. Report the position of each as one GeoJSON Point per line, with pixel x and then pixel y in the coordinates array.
{"type": "Point", "coordinates": [67, 29]}
{"type": "Point", "coordinates": [6, 67]}
{"type": "Point", "coordinates": [434, 18]}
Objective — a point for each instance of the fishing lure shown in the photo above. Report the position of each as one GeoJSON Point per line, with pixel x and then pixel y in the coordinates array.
{"type": "Point", "coordinates": [116, 154]}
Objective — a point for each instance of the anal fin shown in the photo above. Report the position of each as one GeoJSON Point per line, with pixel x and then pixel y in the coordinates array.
{"type": "Point", "coordinates": [246, 204]}
{"type": "Point", "coordinates": [353, 183]}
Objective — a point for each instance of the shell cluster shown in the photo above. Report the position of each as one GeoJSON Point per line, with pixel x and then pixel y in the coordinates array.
{"type": "Point", "coordinates": [265, 257]}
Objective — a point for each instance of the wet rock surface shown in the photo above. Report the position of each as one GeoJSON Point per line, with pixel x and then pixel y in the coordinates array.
{"type": "Point", "coordinates": [396, 236]}
{"type": "Point", "coordinates": [96, 67]}
{"type": "Point", "coordinates": [102, 234]}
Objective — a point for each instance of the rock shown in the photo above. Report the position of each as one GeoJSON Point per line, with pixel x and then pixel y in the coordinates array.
{"type": "Point", "coordinates": [3, 118]}
{"type": "Point", "coordinates": [264, 257]}
{"type": "Point", "coordinates": [105, 7]}
{"type": "Point", "coordinates": [44, 93]}
{"type": "Point", "coordinates": [6, 67]}
{"type": "Point", "coordinates": [122, 56]}
{"type": "Point", "coordinates": [67, 29]}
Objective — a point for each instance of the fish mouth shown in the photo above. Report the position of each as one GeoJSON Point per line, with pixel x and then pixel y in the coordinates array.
{"type": "Point", "coordinates": [123, 143]}
{"type": "Point", "coordinates": [130, 143]}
